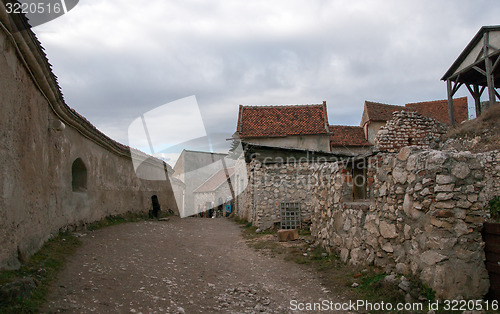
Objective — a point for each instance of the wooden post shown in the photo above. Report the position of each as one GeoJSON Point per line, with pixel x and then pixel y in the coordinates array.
{"type": "Point", "coordinates": [489, 69]}
{"type": "Point", "coordinates": [477, 99]}
{"type": "Point", "coordinates": [451, 114]}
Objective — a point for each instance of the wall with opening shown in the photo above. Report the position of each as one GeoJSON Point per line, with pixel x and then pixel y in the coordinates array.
{"type": "Point", "coordinates": [423, 217]}
{"type": "Point", "coordinates": [79, 176]}
{"type": "Point", "coordinates": [269, 185]}
{"type": "Point", "coordinates": [49, 155]}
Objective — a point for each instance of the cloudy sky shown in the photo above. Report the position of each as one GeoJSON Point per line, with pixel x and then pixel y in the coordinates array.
{"type": "Point", "coordinates": [117, 60]}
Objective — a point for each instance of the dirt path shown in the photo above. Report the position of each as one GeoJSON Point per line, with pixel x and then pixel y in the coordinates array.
{"type": "Point", "coordinates": [188, 265]}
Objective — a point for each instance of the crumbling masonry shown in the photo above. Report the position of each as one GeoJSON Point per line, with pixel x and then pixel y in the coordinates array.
{"type": "Point", "coordinates": [423, 216]}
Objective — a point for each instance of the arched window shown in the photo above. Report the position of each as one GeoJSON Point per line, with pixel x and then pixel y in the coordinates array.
{"type": "Point", "coordinates": [79, 176]}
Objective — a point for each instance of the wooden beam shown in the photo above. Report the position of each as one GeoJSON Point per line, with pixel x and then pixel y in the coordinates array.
{"type": "Point", "coordinates": [496, 63]}
{"type": "Point", "coordinates": [479, 70]}
{"type": "Point", "coordinates": [474, 91]}
{"type": "Point", "coordinates": [471, 91]}
{"type": "Point", "coordinates": [479, 56]}
{"type": "Point", "coordinates": [477, 100]}
{"type": "Point", "coordinates": [489, 71]}
{"type": "Point", "coordinates": [482, 90]}
{"type": "Point", "coordinates": [490, 46]}
{"type": "Point", "coordinates": [451, 114]}
{"type": "Point", "coordinates": [456, 87]}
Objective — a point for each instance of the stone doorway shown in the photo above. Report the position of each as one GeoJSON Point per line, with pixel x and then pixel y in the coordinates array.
{"type": "Point", "coordinates": [491, 237]}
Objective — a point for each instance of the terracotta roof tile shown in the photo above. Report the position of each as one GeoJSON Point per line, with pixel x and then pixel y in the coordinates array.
{"type": "Point", "coordinates": [438, 109]}
{"type": "Point", "coordinates": [381, 112]}
{"type": "Point", "coordinates": [343, 135]}
{"type": "Point", "coordinates": [277, 121]}
{"type": "Point", "coordinates": [215, 181]}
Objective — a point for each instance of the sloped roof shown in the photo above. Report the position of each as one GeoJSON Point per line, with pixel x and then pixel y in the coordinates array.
{"type": "Point", "coordinates": [279, 121]}
{"type": "Point", "coordinates": [343, 135]}
{"type": "Point", "coordinates": [438, 109]}
{"type": "Point", "coordinates": [215, 181]}
{"type": "Point", "coordinates": [380, 112]}
{"type": "Point", "coordinates": [473, 55]}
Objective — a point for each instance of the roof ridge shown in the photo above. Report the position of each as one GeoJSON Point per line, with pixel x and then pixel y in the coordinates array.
{"type": "Point", "coordinates": [380, 103]}
{"type": "Point", "coordinates": [280, 106]}
{"type": "Point", "coordinates": [434, 101]}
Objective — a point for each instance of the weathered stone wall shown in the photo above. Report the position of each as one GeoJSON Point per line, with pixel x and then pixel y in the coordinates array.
{"type": "Point", "coordinates": [269, 185]}
{"type": "Point", "coordinates": [424, 217]}
{"type": "Point", "coordinates": [408, 129]}
{"type": "Point", "coordinates": [41, 138]}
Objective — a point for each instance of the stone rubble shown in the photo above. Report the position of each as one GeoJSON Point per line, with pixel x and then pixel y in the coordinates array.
{"type": "Point", "coordinates": [409, 128]}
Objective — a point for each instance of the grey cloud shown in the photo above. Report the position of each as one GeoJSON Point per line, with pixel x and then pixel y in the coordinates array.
{"type": "Point", "coordinates": [230, 53]}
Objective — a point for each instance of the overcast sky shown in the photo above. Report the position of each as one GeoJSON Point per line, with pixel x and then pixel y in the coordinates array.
{"type": "Point", "coordinates": [117, 60]}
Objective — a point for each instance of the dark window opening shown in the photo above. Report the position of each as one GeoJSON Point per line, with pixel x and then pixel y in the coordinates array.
{"type": "Point", "coordinates": [79, 176]}
{"type": "Point", "coordinates": [359, 180]}
{"type": "Point", "coordinates": [410, 141]}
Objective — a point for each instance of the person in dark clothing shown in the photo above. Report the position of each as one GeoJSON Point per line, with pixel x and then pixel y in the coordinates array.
{"type": "Point", "coordinates": [156, 206]}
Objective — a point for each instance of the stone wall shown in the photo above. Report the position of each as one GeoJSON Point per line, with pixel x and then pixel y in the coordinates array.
{"type": "Point", "coordinates": [408, 129]}
{"type": "Point", "coordinates": [269, 185]}
{"type": "Point", "coordinates": [56, 169]}
{"type": "Point", "coordinates": [424, 216]}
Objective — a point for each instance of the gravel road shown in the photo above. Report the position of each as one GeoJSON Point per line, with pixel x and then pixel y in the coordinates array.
{"type": "Point", "coordinates": [190, 265]}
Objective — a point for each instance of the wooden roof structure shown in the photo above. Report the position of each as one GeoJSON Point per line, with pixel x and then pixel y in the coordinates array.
{"type": "Point", "coordinates": [477, 67]}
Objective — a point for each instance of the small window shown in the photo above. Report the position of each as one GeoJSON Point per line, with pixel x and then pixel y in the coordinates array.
{"type": "Point", "coordinates": [359, 180]}
{"type": "Point", "coordinates": [290, 215]}
{"type": "Point", "coordinates": [79, 176]}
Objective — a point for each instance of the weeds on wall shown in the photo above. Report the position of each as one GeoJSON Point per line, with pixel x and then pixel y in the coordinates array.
{"type": "Point", "coordinates": [41, 269]}
{"type": "Point", "coordinates": [494, 208]}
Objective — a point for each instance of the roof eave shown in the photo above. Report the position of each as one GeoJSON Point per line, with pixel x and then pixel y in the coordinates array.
{"type": "Point", "coordinates": [468, 48]}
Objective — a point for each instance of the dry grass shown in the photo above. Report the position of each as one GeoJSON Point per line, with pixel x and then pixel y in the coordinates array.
{"type": "Point", "coordinates": [486, 129]}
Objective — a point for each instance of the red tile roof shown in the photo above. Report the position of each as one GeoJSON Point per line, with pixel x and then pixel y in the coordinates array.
{"type": "Point", "coordinates": [278, 121]}
{"type": "Point", "coordinates": [343, 135]}
{"type": "Point", "coordinates": [438, 109]}
{"type": "Point", "coordinates": [215, 181]}
{"type": "Point", "coordinates": [380, 112]}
